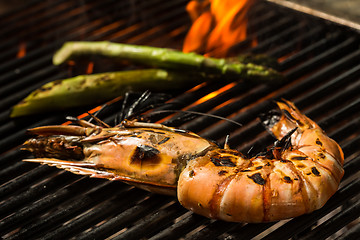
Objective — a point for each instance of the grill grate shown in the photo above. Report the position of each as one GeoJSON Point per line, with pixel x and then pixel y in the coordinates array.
{"type": "Point", "coordinates": [320, 60]}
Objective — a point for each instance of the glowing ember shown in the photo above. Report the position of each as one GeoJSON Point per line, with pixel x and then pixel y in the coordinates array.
{"type": "Point", "coordinates": [217, 25]}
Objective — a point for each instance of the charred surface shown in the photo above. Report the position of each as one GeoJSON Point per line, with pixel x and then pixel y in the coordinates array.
{"type": "Point", "coordinates": [145, 154]}
{"type": "Point", "coordinates": [257, 178]}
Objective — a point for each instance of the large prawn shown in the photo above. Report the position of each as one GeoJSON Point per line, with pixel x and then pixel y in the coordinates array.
{"type": "Point", "coordinates": [297, 175]}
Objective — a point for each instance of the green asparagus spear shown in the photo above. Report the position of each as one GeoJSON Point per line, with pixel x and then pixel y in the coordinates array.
{"type": "Point", "coordinates": [169, 59]}
{"type": "Point", "coordinates": [98, 88]}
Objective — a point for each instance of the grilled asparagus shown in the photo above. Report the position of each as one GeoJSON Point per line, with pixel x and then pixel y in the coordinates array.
{"type": "Point", "coordinates": [169, 59]}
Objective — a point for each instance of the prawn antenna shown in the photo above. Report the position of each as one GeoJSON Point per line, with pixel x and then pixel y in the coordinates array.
{"type": "Point", "coordinates": [199, 113]}
{"type": "Point", "coordinates": [80, 122]}
{"type": "Point", "coordinates": [98, 120]}
{"type": "Point", "coordinates": [226, 144]}
{"type": "Point", "coordinates": [142, 98]}
{"type": "Point", "coordinates": [121, 115]}
{"type": "Point", "coordinates": [146, 101]}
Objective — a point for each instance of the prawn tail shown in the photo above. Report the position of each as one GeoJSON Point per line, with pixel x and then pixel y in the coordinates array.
{"type": "Point", "coordinates": [287, 117]}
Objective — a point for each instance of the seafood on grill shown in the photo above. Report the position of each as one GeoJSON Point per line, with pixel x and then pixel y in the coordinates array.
{"type": "Point", "coordinates": [297, 175]}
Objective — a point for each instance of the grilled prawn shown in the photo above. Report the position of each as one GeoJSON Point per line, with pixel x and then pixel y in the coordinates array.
{"type": "Point", "coordinates": [296, 176]}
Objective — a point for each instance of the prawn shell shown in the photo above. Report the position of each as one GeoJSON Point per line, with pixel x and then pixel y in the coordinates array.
{"type": "Point", "coordinates": [316, 137]}
{"type": "Point", "coordinates": [233, 194]}
{"type": "Point", "coordinates": [220, 192]}
{"type": "Point", "coordinates": [119, 157]}
{"type": "Point", "coordinates": [325, 160]}
{"type": "Point", "coordinates": [242, 201]}
{"type": "Point", "coordinates": [243, 198]}
{"type": "Point", "coordinates": [148, 156]}
{"type": "Point", "coordinates": [286, 181]}
{"type": "Point", "coordinates": [318, 181]}
{"type": "Point", "coordinates": [284, 193]}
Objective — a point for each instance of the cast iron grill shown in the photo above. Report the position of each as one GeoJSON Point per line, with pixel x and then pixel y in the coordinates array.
{"type": "Point", "coordinates": [319, 59]}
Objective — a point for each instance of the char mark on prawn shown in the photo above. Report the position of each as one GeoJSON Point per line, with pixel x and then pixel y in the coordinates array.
{"type": "Point", "coordinates": [257, 178]}
{"type": "Point", "coordinates": [222, 161]}
{"type": "Point", "coordinates": [145, 153]}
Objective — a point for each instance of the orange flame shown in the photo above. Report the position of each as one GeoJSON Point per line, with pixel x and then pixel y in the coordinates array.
{"type": "Point", "coordinates": [90, 68]}
{"type": "Point", "coordinates": [213, 94]}
{"type": "Point", "coordinates": [22, 50]}
{"type": "Point", "coordinates": [217, 25]}
{"type": "Point", "coordinates": [84, 114]}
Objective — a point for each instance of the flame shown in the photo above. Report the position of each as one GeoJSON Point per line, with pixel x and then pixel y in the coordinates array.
{"type": "Point", "coordinates": [84, 114]}
{"type": "Point", "coordinates": [213, 94]}
{"type": "Point", "coordinates": [22, 50]}
{"type": "Point", "coordinates": [217, 25]}
{"type": "Point", "coordinates": [95, 109]}
{"type": "Point", "coordinates": [90, 68]}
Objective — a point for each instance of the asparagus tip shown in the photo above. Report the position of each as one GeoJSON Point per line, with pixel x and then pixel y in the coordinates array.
{"type": "Point", "coordinates": [63, 54]}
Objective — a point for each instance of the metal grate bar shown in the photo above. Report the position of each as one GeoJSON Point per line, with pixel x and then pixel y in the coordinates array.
{"type": "Point", "coordinates": [299, 42]}
{"type": "Point", "coordinates": [154, 222]}
{"type": "Point", "coordinates": [352, 233]}
{"type": "Point", "coordinates": [70, 206]}
{"type": "Point", "coordinates": [315, 48]}
{"type": "Point", "coordinates": [335, 223]}
{"type": "Point", "coordinates": [125, 218]}
{"type": "Point", "coordinates": [248, 231]}
{"type": "Point", "coordinates": [212, 230]}
{"type": "Point", "coordinates": [302, 223]}
{"type": "Point", "coordinates": [322, 69]}
{"type": "Point", "coordinates": [97, 213]}
{"type": "Point", "coordinates": [54, 31]}
{"type": "Point", "coordinates": [187, 224]}
{"type": "Point", "coordinates": [19, 24]}
{"type": "Point", "coordinates": [21, 12]}
{"type": "Point", "coordinates": [295, 89]}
